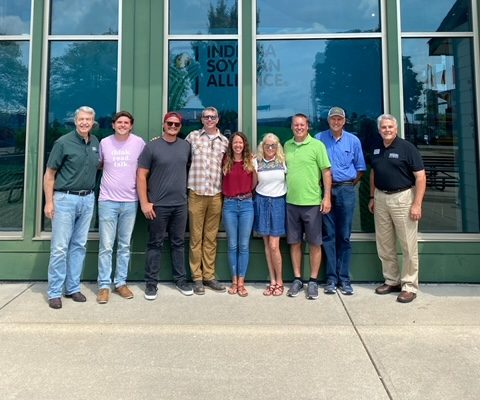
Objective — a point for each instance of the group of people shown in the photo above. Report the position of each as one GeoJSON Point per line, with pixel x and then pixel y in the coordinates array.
{"type": "Point", "coordinates": [304, 191]}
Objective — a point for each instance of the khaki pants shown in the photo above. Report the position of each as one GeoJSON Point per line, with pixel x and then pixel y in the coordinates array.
{"type": "Point", "coordinates": [392, 223]}
{"type": "Point", "coordinates": [204, 213]}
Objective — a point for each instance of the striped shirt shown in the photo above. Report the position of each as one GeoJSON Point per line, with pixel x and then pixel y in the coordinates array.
{"type": "Point", "coordinates": [205, 175]}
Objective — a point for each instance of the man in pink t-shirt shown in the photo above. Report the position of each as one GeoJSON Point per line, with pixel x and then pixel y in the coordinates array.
{"type": "Point", "coordinates": [117, 204]}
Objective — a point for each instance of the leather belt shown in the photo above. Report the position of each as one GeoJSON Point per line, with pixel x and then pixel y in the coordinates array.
{"type": "Point", "coordinates": [346, 183]}
{"type": "Point", "coordinates": [396, 190]}
{"type": "Point", "coordinates": [76, 192]}
{"type": "Point", "coordinates": [239, 197]}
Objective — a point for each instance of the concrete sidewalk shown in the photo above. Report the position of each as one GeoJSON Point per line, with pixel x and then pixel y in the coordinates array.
{"type": "Point", "coordinates": [219, 346]}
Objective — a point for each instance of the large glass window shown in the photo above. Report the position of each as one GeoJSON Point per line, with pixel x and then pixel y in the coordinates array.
{"type": "Point", "coordinates": [81, 71]}
{"type": "Point", "coordinates": [440, 111]}
{"type": "Point", "coordinates": [437, 16]}
{"type": "Point", "coordinates": [15, 17]}
{"type": "Point", "coordinates": [14, 65]}
{"type": "Point", "coordinates": [440, 119]}
{"type": "Point", "coordinates": [203, 73]}
{"type": "Point", "coordinates": [306, 16]}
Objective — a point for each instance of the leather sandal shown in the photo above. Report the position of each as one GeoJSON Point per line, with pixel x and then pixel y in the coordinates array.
{"type": "Point", "coordinates": [278, 291]}
{"type": "Point", "coordinates": [242, 291]}
{"type": "Point", "coordinates": [269, 290]}
{"type": "Point", "coordinates": [233, 289]}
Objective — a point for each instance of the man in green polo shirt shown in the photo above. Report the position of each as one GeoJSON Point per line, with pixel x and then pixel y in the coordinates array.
{"type": "Point", "coordinates": [308, 166]}
{"type": "Point", "coordinates": [68, 184]}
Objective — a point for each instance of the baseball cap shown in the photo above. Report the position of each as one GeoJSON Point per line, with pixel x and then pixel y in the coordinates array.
{"type": "Point", "coordinates": [336, 111]}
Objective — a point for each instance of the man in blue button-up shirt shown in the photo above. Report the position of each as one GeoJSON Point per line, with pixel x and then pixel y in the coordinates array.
{"type": "Point", "coordinates": [348, 165]}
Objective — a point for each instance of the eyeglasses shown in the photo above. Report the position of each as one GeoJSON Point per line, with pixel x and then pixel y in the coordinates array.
{"type": "Point", "coordinates": [270, 146]}
{"type": "Point", "coordinates": [175, 124]}
{"type": "Point", "coordinates": [210, 117]}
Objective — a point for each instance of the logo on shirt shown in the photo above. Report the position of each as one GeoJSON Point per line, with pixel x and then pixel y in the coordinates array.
{"type": "Point", "coordinates": [393, 155]}
{"type": "Point", "coordinates": [376, 151]}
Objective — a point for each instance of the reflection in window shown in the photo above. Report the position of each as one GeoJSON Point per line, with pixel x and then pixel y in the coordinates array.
{"type": "Point", "coordinates": [80, 73]}
{"type": "Point", "coordinates": [439, 108]}
{"type": "Point", "coordinates": [13, 122]}
{"type": "Point", "coordinates": [305, 16]}
{"type": "Point", "coordinates": [326, 73]}
{"type": "Point", "coordinates": [15, 17]}
{"type": "Point", "coordinates": [213, 17]}
{"type": "Point", "coordinates": [202, 74]}
{"type": "Point", "coordinates": [436, 16]}
{"type": "Point", "coordinates": [90, 17]}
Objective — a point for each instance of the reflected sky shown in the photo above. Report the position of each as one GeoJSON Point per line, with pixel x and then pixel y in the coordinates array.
{"type": "Point", "coordinates": [427, 15]}
{"type": "Point", "coordinates": [305, 16]}
{"type": "Point", "coordinates": [84, 17]}
{"type": "Point", "coordinates": [15, 17]}
{"type": "Point", "coordinates": [191, 16]}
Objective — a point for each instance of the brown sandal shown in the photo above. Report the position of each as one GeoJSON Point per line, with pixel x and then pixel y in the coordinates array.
{"type": "Point", "coordinates": [233, 289]}
{"type": "Point", "coordinates": [269, 290]}
{"type": "Point", "coordinates": [278, 291]}
{"type": "Point", "coordinates": [242, 291]}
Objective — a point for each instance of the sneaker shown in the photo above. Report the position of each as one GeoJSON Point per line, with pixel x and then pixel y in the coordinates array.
{"type": "Point", "coordinates": [124, 291]}
{"type": "Point", "coordinates": [184, 288]}
{"type": "Point", "coordinates": [151, 291]}
{"type": "Point", "coordinates": [215, 285]}
{"type": "Point", "coordinates": [346, 288]}
{"type": "Point", "coordinates": [102, 296]}
{"type": "Point", "coordinates": [294, 290]}
{"type": "Point", "coordinates": [330, 288]}
{"type": "Point", "coordinates": [312, 290]}
{"type": "Point", "coordinates": [198, 288]}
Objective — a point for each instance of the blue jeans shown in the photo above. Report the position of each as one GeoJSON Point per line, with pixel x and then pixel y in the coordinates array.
{"type": "Point", "coordinates": [116, 220]}
{"type": "Point", "coordinates": [238, 222]}
{"type": "Point", "coordinates": [337, 227]}
{"type": "Point", "coordinates": [70, 225]}
{"type": "Point", "coordinates": [171, 220]}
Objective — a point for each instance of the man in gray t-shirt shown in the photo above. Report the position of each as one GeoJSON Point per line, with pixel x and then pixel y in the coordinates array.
{"type": "Point", "coordinates": [162, 193]}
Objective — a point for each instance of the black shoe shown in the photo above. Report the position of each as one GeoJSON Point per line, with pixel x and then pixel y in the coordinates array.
{"type": "Point", "coordinates": [55, 303]}
{"type": "Point", "coordinates": [198, 288]}
{"type": "Point", "coordinates": [150, 291]}
{"type": "Point", "coordinates": [78, 297]}
{"type": "Point", "coordinates": [215, 285]}
{"type": "Point", "coordinates": [184, 287]}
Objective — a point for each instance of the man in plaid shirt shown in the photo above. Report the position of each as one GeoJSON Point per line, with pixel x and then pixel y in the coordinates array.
{"type": "Point", "coordinates": [208, 147]}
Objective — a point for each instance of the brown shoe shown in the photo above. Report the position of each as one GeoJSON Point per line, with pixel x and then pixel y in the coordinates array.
{"type": "Point", "coordinates": [55, 303]}
{"type": "Point", "coordinates": [102, 296]}
{"type": "Point", "coordinates": [406, 297]}
{"type": "Point", "coordinates": [385, 289]}
{"type": "Point", "coordinates": [124, 291]}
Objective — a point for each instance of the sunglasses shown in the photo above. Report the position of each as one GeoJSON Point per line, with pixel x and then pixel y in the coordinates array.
{"type": "Point", "coordinates": [270, 146]}
{"type": "Point", "coordinates": [175, 124]}
{"type": "Point", "coordinates": [210, 117]}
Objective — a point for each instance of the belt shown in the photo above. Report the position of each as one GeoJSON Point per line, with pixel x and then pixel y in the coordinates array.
{"type": "Point", "coordinates": [239, 197]}
{"type": "Point", "coordinates": [396, 190]}
{"type": "Point", "coordinates": [76, 192]}
{"type": "Point", "coordinates": [346, 183]}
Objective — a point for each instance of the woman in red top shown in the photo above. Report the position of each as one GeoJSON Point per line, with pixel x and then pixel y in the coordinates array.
{"type": "Point", "coordinates": [239, 179]}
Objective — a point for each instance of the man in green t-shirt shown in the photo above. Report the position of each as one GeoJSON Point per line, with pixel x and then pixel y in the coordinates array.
{"type": "Point", "coordinates": [308, 167]}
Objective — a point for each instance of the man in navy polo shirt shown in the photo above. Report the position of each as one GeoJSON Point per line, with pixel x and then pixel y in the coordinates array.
{"type": "Point", "coordinates": [68, 184]}
{"type": "Point", "coordinates": [397, 187]}
{"type": "Point", "coordinates": [348, 165]}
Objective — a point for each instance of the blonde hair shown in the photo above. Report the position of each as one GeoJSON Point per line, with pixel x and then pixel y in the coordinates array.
{"type": "Point", "coordinates": [279, 155]}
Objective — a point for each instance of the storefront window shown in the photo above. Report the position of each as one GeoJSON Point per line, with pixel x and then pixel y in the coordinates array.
{"type": "Point", "coordinates": [439, 104]}
{"type": "Point", "coordinates": [437, 16]}
{"type": "Point", "coordinates": [90, 17]}
{"type": "Point", "coordinates": [306, 16]}
{"type": "Point", "coordinates": [203, 74]}
{"type": "Point", "coordinates": [203, 17]}
{"type": "Point", "coordinates": [13, 123]}
{"type": "Point", "coordinates": [15, 17]}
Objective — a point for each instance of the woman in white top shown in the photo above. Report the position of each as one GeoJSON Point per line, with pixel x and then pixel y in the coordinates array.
{"type": "Point", "coordinates": [270, 207]}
